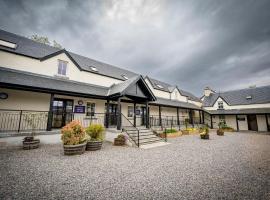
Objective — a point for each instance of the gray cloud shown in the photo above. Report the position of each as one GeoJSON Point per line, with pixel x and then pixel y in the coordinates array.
{"type": "Point", "coordinates": [223, 44]}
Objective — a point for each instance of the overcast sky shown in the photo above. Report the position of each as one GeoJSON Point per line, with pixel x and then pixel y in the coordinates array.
{"type": "Point", "coordinates": [192, 44]}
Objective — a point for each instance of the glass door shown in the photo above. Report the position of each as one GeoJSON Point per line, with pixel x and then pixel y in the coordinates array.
{"type": "Point", "coordinates": [62, 112]}
{"type": "Point", "coordinates": [112, 114]}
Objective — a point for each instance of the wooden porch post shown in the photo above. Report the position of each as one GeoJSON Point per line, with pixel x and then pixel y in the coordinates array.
{"type": "Point", "coordinates": [267, 123]}
{"type": "Point", "coordinates": [191, 117]}
{"type": "Point", "coordinates": [147, 114]}
{"type": "Point", "coordinates": [200, 115]}
{"type": "Point", "coordinates": [203, 117]}
{"type": "Point", "coordinates": [211, 117]}
{"type": "Point", "coordinates": [50, 114]}
{"type": "Point", "coordinates": [134, 114]}
{"type": "Point", "coordinates": [107, 113]}
{"type": "Point", "coordinates": [159, 116]}
{"type": "Point", "coordinates": [237, 125]}
{"type": "Point", "coordinates": [119, 114]}
{"type": "Point", "coordinates": [178, 120]}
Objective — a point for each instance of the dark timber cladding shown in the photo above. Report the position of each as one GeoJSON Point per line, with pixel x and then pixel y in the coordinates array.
{"type": "Point", "coordinates": [50, 114]}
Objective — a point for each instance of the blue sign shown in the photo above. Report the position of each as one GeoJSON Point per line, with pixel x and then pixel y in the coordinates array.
{"type": "Point", "coordinates": [79, 109]}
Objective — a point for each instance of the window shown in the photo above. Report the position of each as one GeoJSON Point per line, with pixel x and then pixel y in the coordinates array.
{"type": "Point", "coordinates": [124, 76]}
{"type": "Point", "coordinates": [62, 68]}
{"type": "Point", "coordinates": [90, 109]}
{"type": "Point", "coordinates": [130, 111]}
{"type": "Point", "coordinates": [8, 44]}
{"type": "Point", "coordinates": [159, 86]}
{"type": "Point", "coordinates": [93, 68]}
{"type": "Point", "coordinates": [220, 105]}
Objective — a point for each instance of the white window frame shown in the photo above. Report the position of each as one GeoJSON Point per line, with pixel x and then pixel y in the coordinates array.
{"type": "Point", "coordinates": [220, 105]}
{"type": "Point", "coordinates": [60, 64]}
{"type": "Point", "coordinates": [90, 105]}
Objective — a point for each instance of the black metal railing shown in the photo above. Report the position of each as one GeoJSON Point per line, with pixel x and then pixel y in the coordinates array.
{"type": "Point", "coordinates": [23, 120]}
{"type": "Point", "coordinates": [130, 129]}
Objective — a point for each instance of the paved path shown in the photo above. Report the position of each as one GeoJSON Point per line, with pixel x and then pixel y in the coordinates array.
{"type": "Point", "coordinates": [236, 166]}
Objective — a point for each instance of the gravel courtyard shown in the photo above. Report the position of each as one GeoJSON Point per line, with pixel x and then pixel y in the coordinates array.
{"type": "Point", "coordinates": [236, 166]}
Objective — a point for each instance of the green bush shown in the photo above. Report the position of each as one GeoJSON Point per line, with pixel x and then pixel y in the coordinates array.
{"type": "Point", "coordinates": [170, 131]}
{"type": "Point", "coordinates": [96, 132]}
{"type": "Point", "coordinates": [204, 130]}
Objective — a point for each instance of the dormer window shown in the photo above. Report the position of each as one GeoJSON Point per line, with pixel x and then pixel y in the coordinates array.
{"type": "Point", "coordinates": [8, 44]}
{"type": "Point", "coordinates": [62, 68]}
{"type": "Point", "coordinates": [124, 76]}
{"type": "Point", "coordinates": [249, 97]}
{"type": "Point", "coordinates": [93, 68]}
{"type": "Point", "coordinates": [159, 86]}
{"type": "Point", "coordinates": [220, 105]}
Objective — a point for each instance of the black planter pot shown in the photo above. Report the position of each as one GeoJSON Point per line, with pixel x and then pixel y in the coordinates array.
{"type": "Point", "coordinates": [205, 136]}
{"type": "Point", "coordinates": [30, 143]}
{"type": "Point", "coordinates": [93, 145]}
{"type": "Point", "coordinates": [220, 132]}
{"type": "Point", "coordinates": [77, 149]}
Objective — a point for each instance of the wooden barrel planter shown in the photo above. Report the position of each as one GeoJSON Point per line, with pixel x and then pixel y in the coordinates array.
{"type": "Point", "coordinates": [220, 132]}
{"type": "Point", "coordinates": [77, 149]}
{"type": "Point", "coordinates": [93, 145]}
{"type": "Point", "coordinates": [205, 136]}
{"type": "Point", "coordinates": [185, 132]}
{"type": "Point", "coordinates": [30, 143]}
{"type": "Point", "coordinates": [119, 142]}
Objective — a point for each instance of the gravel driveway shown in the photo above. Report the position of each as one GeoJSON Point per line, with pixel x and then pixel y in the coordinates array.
{"type": "Point", "coordinates": [236, 166]}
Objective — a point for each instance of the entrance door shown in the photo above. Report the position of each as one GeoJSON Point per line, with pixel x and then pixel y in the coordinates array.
{"type": "Point", "coordinates": [143, 116]}
{"type": "Point", "coordinates": [62, 112]}
{"type": "Point", "coordinates": [112, 114]}
{"type": "Point", "coordinates": [252, 123]}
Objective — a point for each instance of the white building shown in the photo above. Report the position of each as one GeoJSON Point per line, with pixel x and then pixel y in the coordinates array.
{"type": "Point", "coordinates": [61, 86]}
{"type": "Point", "coordinates": [245, 109]}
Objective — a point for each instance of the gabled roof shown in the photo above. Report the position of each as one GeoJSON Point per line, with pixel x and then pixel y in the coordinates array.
{"type": "Point", "coordinates": [259, 95]}
{"type": "Point", "coordinates": [30, 48]}
{"type": "Point", "coordinates": [169, 88]}
{"type": "Point", "coordinates": [124, 88]}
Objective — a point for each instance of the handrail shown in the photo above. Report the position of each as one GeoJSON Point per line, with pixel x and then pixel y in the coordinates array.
{"type": "Point", "coordinates": [138, 131]}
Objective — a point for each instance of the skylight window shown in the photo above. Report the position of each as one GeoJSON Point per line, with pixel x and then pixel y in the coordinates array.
{"type": "Point", "coordinates": [124, 76]}
{"type": "Point", "coordinates": [249, 97]}
{"type": "Point", "coordinates": [8, 44]}
{"type": "Point", "coordinates": [159, 86]}
{"type": "Point", "coordinates": [93, 69]}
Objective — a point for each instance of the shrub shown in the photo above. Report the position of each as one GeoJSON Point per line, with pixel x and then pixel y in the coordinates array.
{"type": "Point", "coordinates": [121, 136]}
{"type": "Point", "coordinates": [73, 133]}
{"type": "Point", "coordinates": [170, 130]}
{"type": "Point", "coordinates": [204, 130]}
{"type": "Point", "coordinates": [96, 132]}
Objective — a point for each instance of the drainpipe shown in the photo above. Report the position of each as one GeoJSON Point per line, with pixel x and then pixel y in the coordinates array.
{"type": "Point", "coordinates": [119, 114]}
{"type": "Point", "coordinates": [134, 113]}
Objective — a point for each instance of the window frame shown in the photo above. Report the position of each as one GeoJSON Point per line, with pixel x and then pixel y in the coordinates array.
{"type": "Point", "coordinates": [60, 64]}
{"type": "Point", "coordinates": [89, 105]}
{"type": "Point", "coordinates": [130, 111]}
{"type": "Point", "coordinates": [220, 105]}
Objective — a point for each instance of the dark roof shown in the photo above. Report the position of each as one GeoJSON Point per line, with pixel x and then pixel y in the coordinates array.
{"type": "Point", "coordinates": [258, 95]}
{"type": "Point", "coordinates": [168, 102]}
{"type": "Point", "coordinates": [41, 82]}
{"type": "Point", "coordinates": [169, 88]}
{"type": "Point", "coordinates": [240, 111]}
{"type": "Point", "coordinates": [30, 48]}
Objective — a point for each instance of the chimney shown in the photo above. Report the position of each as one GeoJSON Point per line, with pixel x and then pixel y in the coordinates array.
{"type": "Point", "coordinates": [208, 91]}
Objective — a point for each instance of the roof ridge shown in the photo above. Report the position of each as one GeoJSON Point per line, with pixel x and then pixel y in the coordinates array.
{"type": "Point", "coordinates": [234, 90]}
{"type": "Point", "coordinates": [29, 39]}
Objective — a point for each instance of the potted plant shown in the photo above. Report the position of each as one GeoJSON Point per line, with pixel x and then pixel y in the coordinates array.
{"type": "Point", "coordinates": [220, 131]}
{"type": "Point", "coordinates": [74, 138]}
{"type": "Point", "coordinates": [32, 119]}
{"type": "Point", "coordinates": [204, 133]}
{"type": "Point", "coordinates": [96, 132]}
{"type": "Point", "coordinates": [186, 132]}
{"type": "Point", "coordinates": [120, 140]}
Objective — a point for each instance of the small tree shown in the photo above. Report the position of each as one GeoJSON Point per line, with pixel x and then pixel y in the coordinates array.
{"type": "Point", "coordinates": [45, 40]}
